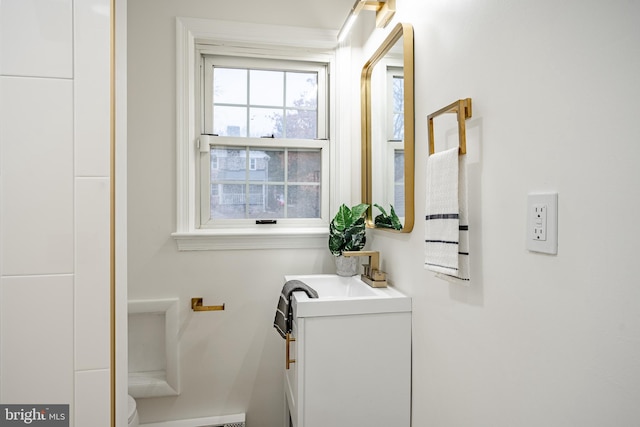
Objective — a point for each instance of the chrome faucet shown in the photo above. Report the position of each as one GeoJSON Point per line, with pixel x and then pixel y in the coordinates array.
{"type": "Point", "coordinates": [372, 274]}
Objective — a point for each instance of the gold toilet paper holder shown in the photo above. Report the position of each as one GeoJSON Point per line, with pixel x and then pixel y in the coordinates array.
{"type": "Point", "coordinates": [196, 305]}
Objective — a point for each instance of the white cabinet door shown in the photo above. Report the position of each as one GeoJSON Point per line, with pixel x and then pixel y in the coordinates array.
{"type": "Point", "coordinates": [351, 370]}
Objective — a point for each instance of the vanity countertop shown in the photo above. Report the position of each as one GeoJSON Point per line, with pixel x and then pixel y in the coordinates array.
{"type": "Point", "coordinates": [339, 295]}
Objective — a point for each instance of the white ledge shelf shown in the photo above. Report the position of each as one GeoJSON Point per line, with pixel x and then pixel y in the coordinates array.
{"type": "Point", "coordinates": [228, 239]}
{"type": "Point", "coordinates": [150, 384]}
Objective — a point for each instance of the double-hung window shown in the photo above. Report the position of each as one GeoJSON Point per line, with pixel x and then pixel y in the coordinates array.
{"type": "Point", "coordinates": [264, 150]}
{"type": "Point", "coordinates": [258, 163]}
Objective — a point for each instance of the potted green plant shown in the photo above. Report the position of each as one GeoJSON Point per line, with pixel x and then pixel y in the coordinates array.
{"type": "Point", "coordinates": [347, 232]}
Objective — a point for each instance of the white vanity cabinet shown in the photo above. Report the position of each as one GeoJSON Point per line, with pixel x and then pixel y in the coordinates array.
{"type": "Point", "coordinates": [352, 361]}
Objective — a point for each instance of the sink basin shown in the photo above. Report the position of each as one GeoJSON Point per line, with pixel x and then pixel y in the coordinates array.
{"type": "Point", "coordinates": [333, 286]}
{"type": "Point", "coordinates": [339, 295]}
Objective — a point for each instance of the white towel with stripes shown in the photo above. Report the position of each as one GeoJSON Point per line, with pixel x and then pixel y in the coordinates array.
{"type": "Point", "coordinates": [446, 221]}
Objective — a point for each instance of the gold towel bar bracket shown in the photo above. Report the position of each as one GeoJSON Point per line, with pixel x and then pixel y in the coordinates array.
{"type": "Point", "coordinates": [462, 108]}
{"type": "Point", "coordinates": [196, 305]}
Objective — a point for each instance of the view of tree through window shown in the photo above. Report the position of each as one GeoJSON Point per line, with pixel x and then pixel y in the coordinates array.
{"type": "Point", "coordinates": [282, 181]}
{"type": "Point", "coordinates": [264, 103]}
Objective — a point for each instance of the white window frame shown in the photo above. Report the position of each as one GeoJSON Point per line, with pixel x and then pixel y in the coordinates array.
{"type": "Point", "coordinates": [321, 142]}
{"type": "Point", "coordinates": [233, 38]}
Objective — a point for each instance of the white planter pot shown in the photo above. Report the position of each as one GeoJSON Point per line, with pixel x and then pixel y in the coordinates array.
{"type": "Point", "coordinates": [346, 266]}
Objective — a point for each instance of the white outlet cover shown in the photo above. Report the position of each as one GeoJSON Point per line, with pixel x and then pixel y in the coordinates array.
{"type": "Point", "coordinates": [550, 244]}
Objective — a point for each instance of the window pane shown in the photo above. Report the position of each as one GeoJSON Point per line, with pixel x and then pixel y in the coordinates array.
{"type": "Point", "coordinates": [304, 166]}
{"type": "Point", "coordinates": [275, 200]}
{"type": "Point", "coordinates": [398, 93]}
{"type": "Point", "coordinates": [229, 86]}
{"type": "Point", "coordinates": [229, 201]}
{"type": "Point", "coordinates": [256, 200]}
{"type": "Point", "coordinates": [302, 90]}
{"type": "Point", "coordinates": [265, 122]}
{"type": "Point", "coordinates": [266, 201]}
{"type": "Point", "coordinates": [231, 164]}
{"type": "Point", "coordinates": [302, 103]}
{"type": "Point", "coordinates": [398, 189]}
{"type": "Point", "coordinates": [398, 127]}
{"type": "Point", "coordinates": [398, 108]}
{"type": "Point", "coordinates": [267, 88]}
{"type": "Point", "coordinates": [227, 183]}
{"type": "Point", "coordinates": [275, 168]}
{"type": "Point", "coordinates": [258, 166]}
{"type": "Point", "coordinates": [302, 124]}
{"type": "Point", "coordinates": [303, 201]}
{"type": "Point", "coordinates": [230, 121]}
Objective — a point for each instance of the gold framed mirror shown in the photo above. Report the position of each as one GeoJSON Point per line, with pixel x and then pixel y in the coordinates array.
{"type": "Point", "coordinates": [388, 132]}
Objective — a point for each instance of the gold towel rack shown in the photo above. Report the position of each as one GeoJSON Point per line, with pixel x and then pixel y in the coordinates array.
{"type": "Point", "coordinates": [462, 108]}
{"type": "Point", "coordinates": [196, 305]}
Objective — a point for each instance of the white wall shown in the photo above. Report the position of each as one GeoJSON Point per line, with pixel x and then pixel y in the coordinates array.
{"type": "Point", "coordinates": [536, 340]}
{"type": "Point", "coordinates": [231, 361]}
{"type": "Point", "coordinates": [54, 201]}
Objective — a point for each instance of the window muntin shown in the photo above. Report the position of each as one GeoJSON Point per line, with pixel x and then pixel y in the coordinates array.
{"type": "Point", "coordinates": [270, 156]}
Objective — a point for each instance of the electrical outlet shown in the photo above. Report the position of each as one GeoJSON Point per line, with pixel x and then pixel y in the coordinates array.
{"type": "Point", "coordinates": [542, 223]}
{"type": "Point", "coordinates": [539, 222]}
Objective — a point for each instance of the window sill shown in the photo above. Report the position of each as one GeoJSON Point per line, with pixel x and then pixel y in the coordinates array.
{"type": "Point", "coordinates": [230, 239]}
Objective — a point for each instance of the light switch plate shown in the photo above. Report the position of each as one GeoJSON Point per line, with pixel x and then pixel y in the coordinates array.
{"type": "Point", "coordinates": [542, 223]}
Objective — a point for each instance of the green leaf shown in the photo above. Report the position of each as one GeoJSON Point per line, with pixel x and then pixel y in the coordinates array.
{"type": "Point", "coordinates": [358, 210]}
{"type": "Point", "coordinates": [395, 221]}
{"type": "Point", "coordinates": [384, 213]}
{"type": "Point", "coordinates": [342, 219]}
{"type": "Point", "coordinates": [382, 221]}
{"type": "Point", "coordinates": [336, 240]}
{"type": "Point", "coordinates": [355, 237]}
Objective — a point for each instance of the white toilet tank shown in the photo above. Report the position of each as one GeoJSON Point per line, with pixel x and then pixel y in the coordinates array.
{"type": "Point", "coordinates": [133, 413]}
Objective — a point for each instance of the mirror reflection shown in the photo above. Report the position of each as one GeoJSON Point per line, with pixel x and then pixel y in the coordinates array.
{"type": "Point", "coordinates": [388, 132]}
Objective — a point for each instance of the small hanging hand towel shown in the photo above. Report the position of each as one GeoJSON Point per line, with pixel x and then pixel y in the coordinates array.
{"type": "Point", "coordinates": [446, 226]}
{"type": "Point", "coordinates": [284, 314]}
